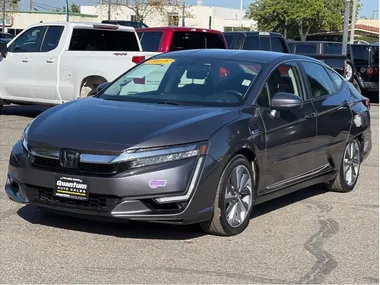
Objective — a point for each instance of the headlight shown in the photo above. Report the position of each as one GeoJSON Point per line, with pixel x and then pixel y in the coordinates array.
{"type": "Point", "coordinates": [162, 155]}
{"type": "Point", "coordinates": [24, 140]}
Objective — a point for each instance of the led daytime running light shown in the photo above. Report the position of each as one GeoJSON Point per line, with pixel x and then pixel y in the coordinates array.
{"type": "Point", "coordinates": [164, 158]}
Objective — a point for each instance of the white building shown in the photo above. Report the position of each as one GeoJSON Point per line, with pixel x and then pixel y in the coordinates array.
{"type": "Point", "coordinates": [211, 17]}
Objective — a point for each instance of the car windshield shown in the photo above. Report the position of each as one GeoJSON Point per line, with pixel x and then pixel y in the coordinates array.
{"type": "Point", "coordinates": [184, 81]}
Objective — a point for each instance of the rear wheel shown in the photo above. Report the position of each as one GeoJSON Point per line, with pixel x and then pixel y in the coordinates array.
{"type": "Point", "coordinates": [348, 174]}
{"type": "Point", "coordinates": [349, 71]}
{"type": "Point", "coordinates": [234, 199]}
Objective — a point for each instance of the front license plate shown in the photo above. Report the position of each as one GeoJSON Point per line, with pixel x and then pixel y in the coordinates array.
{"type": "Point", "coordinates": [70, 187]}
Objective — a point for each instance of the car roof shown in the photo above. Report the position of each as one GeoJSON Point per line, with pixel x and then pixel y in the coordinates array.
{"type": "Point", "coordinates": [314, 42]}
{"type": "Point", "coordinates": [82, 24]}
{"type": "Point", "coordinates": [178, 29]}
{"type": "Point", "coordinates": [254, 33]}
{"type": "Point", "coordinates": [232, 54]}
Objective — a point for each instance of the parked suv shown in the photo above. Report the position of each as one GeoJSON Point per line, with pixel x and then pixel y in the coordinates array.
{"type": "Point", "coordinates": [366, 64]}
{"type": "Point", "coordinates": [167, 39]}
{"type": "Point", "coordinates": [257, 41]}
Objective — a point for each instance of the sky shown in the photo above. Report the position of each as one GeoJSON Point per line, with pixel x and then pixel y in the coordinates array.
{"type": "Point", "coordinates": [368, 5]}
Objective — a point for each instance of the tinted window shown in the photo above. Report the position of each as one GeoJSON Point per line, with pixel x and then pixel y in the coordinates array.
{"type": "Point", "coordinates": [251, 43]}
{"type": "Point", "coordinates": [285, 78]}
{"type": "Point", "coordinates": [29, 41]}
{"type": "Point", "coordinates": [359, 54]}
{"type": "Point", "coordinates": [150, 41]}
{"type": "Point", "coordinates": [374, 56]}
{"type": "Point", "coordinates": [336, 78]}
{"type": "Point", "coordinates": [52, 38]}
{"type": "Point", "coordinates": [264, 43]}
{"type": "Point", "coordinates": [196, 40]}
{"type": "Point", "coordinates": [197, 81]}
{"type": "Point", "coordinates": [330, 48]}
{"type": "Point", "coordinates": [320, 82]}
{"type": "Point", "coordinates": [6, 36]}
{"type": "Point", "coordinates": [278, 44]}
{"type": "Point", "coordinates": [306, 49]}
{"type": "Point", "coordinates": [229, 39]}
{"type": "Point", "coordinates": [102, 40]}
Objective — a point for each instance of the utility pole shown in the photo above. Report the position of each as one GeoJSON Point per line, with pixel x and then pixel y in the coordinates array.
{"type": "Point", "coordinates": [109, 9]}
{"type": "Point", "coordinates": [353, 22]}
{"type": "Point", "coordinates": [30, 5]}
{"type": "Point", "coordinates": [241, 5]}
{"type": "Point", "coordinates": [345, 27]}
{"type": "Point", "coordinates": [3, 16]}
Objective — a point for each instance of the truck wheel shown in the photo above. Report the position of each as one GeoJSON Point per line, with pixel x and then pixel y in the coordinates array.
{"type": "Point", "coordinates": [87, 90]}
{"type": "Point", "coordinates": [349, 71]}
{"type": "Point", "coordinates": [233, 200]}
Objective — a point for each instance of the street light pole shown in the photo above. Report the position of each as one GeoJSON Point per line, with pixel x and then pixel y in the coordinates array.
{"type": "Point", "coordinates": [67, 11]}
{"type": "Point", "coordinates": [109, 9]}
{"type": "Point", "coordinates": [345, 26]}
{"type": "Point", "coordinates": [3, 30]}
{"type": "Point", "coordinates": [353, 22]}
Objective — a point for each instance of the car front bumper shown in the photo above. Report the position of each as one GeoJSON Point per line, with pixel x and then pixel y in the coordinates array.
{"type": "Point", "coordinates": [125, 195]}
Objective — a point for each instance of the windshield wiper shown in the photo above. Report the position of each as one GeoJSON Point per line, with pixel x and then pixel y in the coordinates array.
{"type": "Point", "coordinates": [168, 103]}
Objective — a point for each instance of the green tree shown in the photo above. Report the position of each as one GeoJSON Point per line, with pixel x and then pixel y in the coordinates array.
{"type": "Point", "coordinates": [298, 17]}
{"type": "Point", "coordinates": [74, 8]}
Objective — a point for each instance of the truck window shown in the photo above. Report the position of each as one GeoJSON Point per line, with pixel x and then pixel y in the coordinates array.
{"type": "Point", "coordinates": [196, 40]}
{"type": "Point", "coordinates": [251, 43]}
{"type": "Point", "coordinates": [265, 43]}
{"type": "Point", "coordinates": [331, 48]}
{"type": "Point", "coordinates": [229, 39]}
{"type": "Point", "coordinates": [29, 41]}
{"type": "Point", "coordinates": [278, 44]}
{"type": "Point", "coordinates": [374, 56]}
{"type": "Point", "coordinates": [306, 49]}
{"type": "Point", "coordinates": [102, 40]}
{"type": "Point", "coordinates": [359, 54]}
{"type": "Point", "coordinates": [150, 41]}
{"type": "Point", "coordinates": [52, 37]}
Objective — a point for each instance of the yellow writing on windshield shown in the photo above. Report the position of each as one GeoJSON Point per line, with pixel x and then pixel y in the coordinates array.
{"type": "Point", "coordinates": [160, 61]}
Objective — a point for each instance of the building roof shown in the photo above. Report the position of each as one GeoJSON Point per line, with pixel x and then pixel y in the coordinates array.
{"type": "Point", "coordinates": [367, 28]}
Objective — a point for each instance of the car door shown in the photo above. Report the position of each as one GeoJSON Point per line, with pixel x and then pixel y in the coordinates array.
{"type": "Point", "coordinates": [45, 82]}
{"type": "Point", "coordinates": [330, 98]}
{"type": "Point", "coordinates": [17, 70]}
{"type": "Point", "coordinates": [290, 134]}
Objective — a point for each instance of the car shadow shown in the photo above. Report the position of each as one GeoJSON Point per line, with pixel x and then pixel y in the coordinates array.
{"type": "Point", "coordinates": [145, 230]}
{"type": "Point", "coordinates": [30, 111]}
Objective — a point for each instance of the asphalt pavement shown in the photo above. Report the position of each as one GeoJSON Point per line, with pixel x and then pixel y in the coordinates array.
{"type": "Point", "coordinates": [311, 236]}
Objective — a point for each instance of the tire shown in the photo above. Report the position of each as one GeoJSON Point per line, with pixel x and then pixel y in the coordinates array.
{"type": "Point", "coordinates": [349, 71]}
{"type": "Point", "coordinates": [220, 224]}
{"type": "Point", "coordinates": [86, 90]}
{"type": "Point", "coordinates": [341, 183]}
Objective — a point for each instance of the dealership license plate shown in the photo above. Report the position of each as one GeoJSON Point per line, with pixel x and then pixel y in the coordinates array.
{"type": "Point", "coordinates": [70, 187]}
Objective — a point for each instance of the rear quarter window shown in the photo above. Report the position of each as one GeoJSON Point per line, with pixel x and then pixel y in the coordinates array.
{"type": "Point", "coordinates": [103, 40]}
{"type": "Point", "coordinates": [278, 45]}
{"type": "Point", "coordinates": [306, 49]}
{"type": "Point", "coordinates": [330, 48]}
{"type": "Point", "coordinates": [251, 43]}
{"type": "Point", "coordinates": [150, 41]}
{"type": "Point", "coordinates": [196, 40]}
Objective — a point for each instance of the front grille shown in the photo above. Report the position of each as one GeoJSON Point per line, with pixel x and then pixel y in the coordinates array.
{"type": "Point", "coordinates": [84, 168]}
{"type": "Point", "coordinates": [96, 202]}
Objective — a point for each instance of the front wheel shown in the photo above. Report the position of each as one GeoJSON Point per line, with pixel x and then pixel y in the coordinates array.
{"type": "Point", "coordinates": [234, 199]}
{"type": "Point", "coordinates": [348, 174]}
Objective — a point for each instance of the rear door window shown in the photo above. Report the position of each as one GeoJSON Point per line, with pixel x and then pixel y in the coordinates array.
{"type": "Point", "coordinates": [278, 44]}
{"type": "Point", "coordinates": [150, 41]}
{"type": "Point", "coordinates": [103, 40]}
{"type": "Point", "coordinates": [305, 49]}
{"type": "Point", "coordinates": [51, 39]}
{"type": "Point", "coordinates": [251, 43]}
{"type": "Point", "coordinates": [196, 40]}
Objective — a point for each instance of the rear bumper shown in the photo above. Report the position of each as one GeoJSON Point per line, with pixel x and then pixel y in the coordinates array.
{"type": "Point", "coordinates": [116, 197]}
{"type": "Point", "coordinates": [370, 86]}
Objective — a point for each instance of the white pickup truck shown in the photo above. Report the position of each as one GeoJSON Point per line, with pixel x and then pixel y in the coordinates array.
{"type": "Point", "coordinates": [52, 63]}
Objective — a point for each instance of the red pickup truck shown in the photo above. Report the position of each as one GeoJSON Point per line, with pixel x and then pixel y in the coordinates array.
{"type": "Point", "coordinates": [165, 39]}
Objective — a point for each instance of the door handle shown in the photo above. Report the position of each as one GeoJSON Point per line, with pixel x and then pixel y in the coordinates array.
{"type": "Point", "coordinates": [310, 115]}
{"type": "Point", "coordinates": [25, 60]}
{"type": "Point", "coordinates": [50, 60]}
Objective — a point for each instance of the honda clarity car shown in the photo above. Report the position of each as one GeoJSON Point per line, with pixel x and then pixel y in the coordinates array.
{"type": "Point", "coordinates": [196, 136]}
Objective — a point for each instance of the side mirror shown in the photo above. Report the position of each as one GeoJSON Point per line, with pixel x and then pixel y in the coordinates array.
{"type": "Point", "coordinates": [286, 101]}
{"type": "Point", "coordinates": [3, 50]}
{"type": "Point", "coordinates": [102, 86]}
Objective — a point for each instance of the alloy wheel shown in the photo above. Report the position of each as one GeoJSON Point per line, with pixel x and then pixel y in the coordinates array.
{"type": "Point", "coordinates": [238, 196]}
{"type": "Point", "coordinates": [351, 163]}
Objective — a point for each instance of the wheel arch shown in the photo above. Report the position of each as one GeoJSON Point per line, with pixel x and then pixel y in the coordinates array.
{"type": "Point", "coordinates": [92, 80]}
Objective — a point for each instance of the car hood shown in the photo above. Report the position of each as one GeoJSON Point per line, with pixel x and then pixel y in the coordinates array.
{"type": "Point", "coordinates": [95, 125]}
